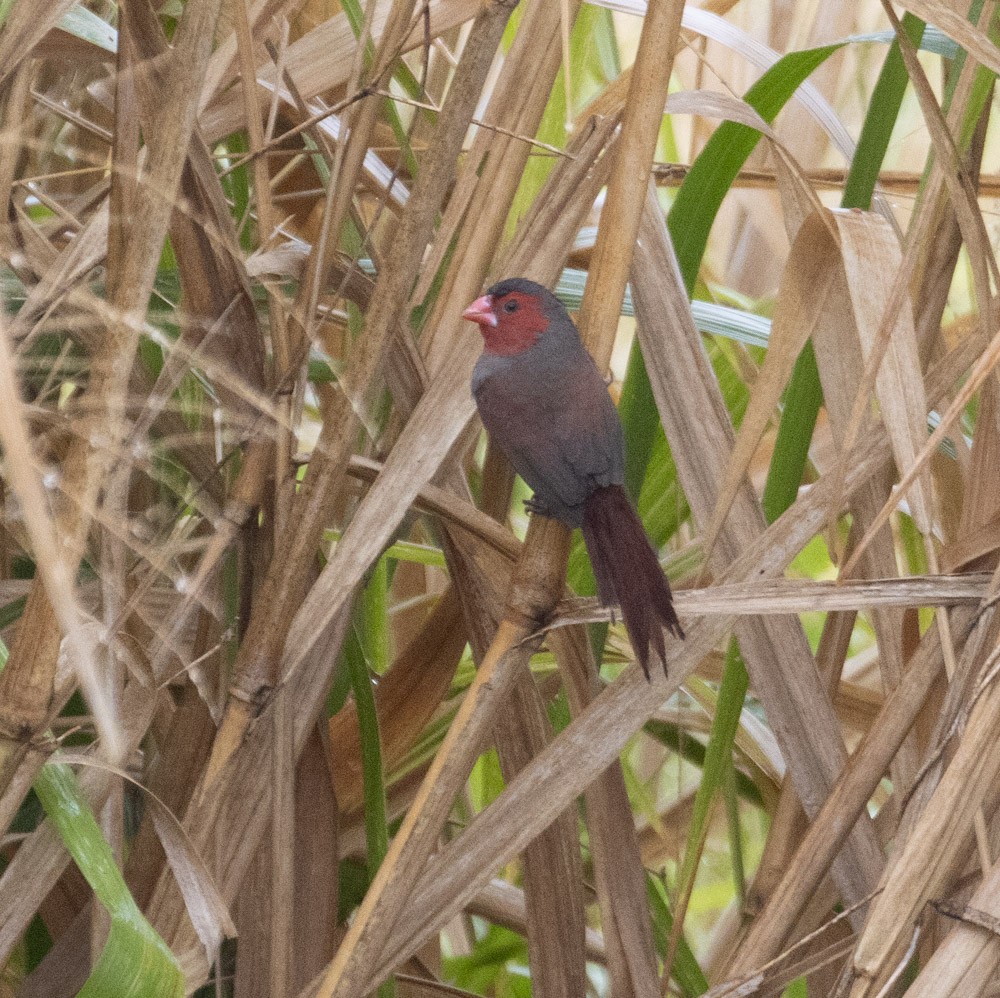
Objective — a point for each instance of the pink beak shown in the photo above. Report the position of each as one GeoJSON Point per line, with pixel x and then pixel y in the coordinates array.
{"type": "Point", "coordinates": [481, 312]}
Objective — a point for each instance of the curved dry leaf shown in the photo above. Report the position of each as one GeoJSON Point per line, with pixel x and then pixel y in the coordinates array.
{"type": "Point", "coordinates": [797, 195]}
{"type": "Point", "coordinates": [713, 27]}
{"type": "Point", "coordinates": [712, 104]}
{"type": "Point", "coordinates": [775, 649]}
{"type": "Point", "coordinates": [798, 310]}
{"type": "Point", "coordinates": [981, 370]}
{"type": "Point", "coordinates": [208, 912]}
{"type": "Point", "coordinates": [871, 258]}
{"type": "Point", "coordinates": [839, 278]}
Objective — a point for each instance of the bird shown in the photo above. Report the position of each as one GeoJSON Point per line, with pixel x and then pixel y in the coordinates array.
{"type": "Point", "coordinates": [545, 404]}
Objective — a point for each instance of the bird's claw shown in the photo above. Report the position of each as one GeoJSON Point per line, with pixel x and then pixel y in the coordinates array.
{"type": "Point", "coordinates": [535, 506]}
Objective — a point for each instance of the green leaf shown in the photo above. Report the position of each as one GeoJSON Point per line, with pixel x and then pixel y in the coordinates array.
{"type": "Point", "coordinates": [402, 75]}
{"type": "Point", "coordinates": [685, 971]}
{"type": "Point", "coordinates": [85, 24]}
{"type": "Point", "coordinates": [718, 764]}
{"type": "Point", "coordinates": [690, 749]}
{"type": "Point", "coordinates": [367, 653]}
{"type": "Point", "coordinates": [803, 398]}
{"type": "Point", "coordinates": [883, 110]}
{"type": "Point", "coordinates": [481, 969]}
{"type": "Point", "coordinates": [592, 51]}
{"type": "Point", "coordinates": [135, 961]}
{"type": "Point", "coordinates": [690, 221]}
{"type": "Point", "coordinates": [804, 394]}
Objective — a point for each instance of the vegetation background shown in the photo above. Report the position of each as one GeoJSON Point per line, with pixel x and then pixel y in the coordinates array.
{"type": "Point", "coordinates": [276, 717]}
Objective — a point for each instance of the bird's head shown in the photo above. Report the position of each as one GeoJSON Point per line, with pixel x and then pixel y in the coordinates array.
{"type": "Point", "coordinates": [513, 314]}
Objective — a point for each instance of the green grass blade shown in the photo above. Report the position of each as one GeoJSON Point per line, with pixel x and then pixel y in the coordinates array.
{"type": "Point", "coordinates": [690, 221]}
{"type": "Point", "coordinates": [686, 970]}
{"type": "Point", "coordinates": [804, 395]}
{"type": "Point", "coordinates": [135, 961]}
{"type": "Point", "coordinates": [693, 751]}
{"type": "Point", "coordinates": [717, 766]}
{"type": "Point", "coordinates": [367, 653]}
{"type": "Point", "coordinates": [803, 399]}
{"type": "Point", "coordinates": [883, 110]}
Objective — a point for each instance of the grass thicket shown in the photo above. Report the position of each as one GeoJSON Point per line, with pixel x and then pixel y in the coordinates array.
{"type": "Point", "coordinates": [274, 719]}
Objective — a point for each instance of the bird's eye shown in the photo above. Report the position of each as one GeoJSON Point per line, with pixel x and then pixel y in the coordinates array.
{"type": "Point", "coordinates": [510, 306]}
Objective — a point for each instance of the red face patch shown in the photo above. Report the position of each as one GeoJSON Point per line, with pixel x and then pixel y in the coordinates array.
{"type": "Point", "coordinates": [519, 322]}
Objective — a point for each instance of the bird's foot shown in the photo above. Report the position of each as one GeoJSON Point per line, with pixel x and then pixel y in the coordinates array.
{"type": "Point", "coordinates": [535, 506]}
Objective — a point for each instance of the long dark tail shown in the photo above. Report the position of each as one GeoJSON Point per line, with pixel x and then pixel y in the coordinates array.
{"type": "Point", "coordinates": [628, 573]}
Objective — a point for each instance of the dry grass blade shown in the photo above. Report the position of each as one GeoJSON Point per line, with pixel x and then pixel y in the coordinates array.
{"type": "Point", "coordinates": [552, 863]}
{"type": "Point", "coordinates": [206, 908]}
{"type": "Point", "coordinates": [956, 25]}
{"type": "Point", "coordinates": [802, 294]}
{"type": "Point", "coordinates": [623, 208]}
{"type": "Point", "coordinates": [242, 470]}
{"type": "Point", "coordinates": [877, 959]}
{"type": "Point", "coordinates": [536, 588]}
{"type": "Point", "coordinates": [964, 203]}
{"type": "Point", "coordinates": [791, 596]}
{"type": "Point", "coordinates": [867, 339]}
{"type": "Point", "coordinates": [358, 123]}
{"type": "Point", "coordinates": [556, 921]}
{"type": "Point", "coordinates": [837, 253]}
{"type": "Point", "coordinates": [981, 370]}
{"type": "Point", "coordinates": [618, 863]}
{"type": "Point", "coordinates": [317, 871]}
{"type": "Point", "coordinates": [24, 28]}
{"type": "Point", "coordinates": [965, 963]}
{"type": "Point", "coordinates": [28, 691]}
{"type": "Point", "coordinates": [936, 845]}
{"type": "Point", "coordinates": [888, 342]}
{"type": "Point", "coordinates": [775, 649]}
{"type": "Point", "coordinates": [846, 357]}
{"type": "Point", "coordinates": [770, 930]}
